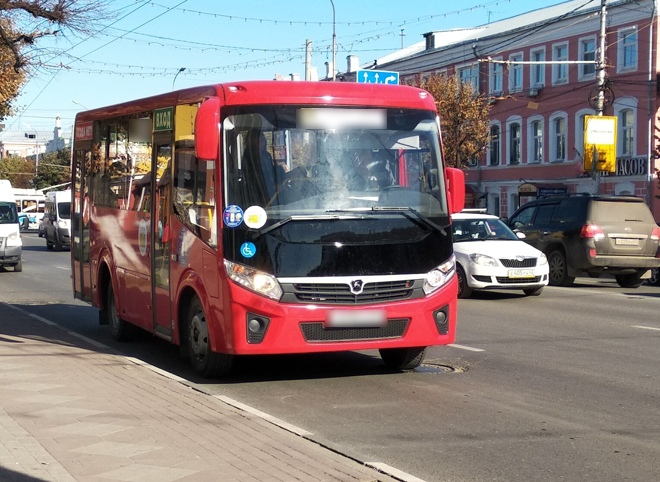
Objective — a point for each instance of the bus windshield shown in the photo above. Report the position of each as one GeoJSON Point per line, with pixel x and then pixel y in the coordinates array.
{"type": "Point", "coordinates": [296, 160]}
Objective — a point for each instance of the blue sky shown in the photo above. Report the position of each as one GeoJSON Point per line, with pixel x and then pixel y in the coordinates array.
{"type": "Point", "coordinates": [145, 43]}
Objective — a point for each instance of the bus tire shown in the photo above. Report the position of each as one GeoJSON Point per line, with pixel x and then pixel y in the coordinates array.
{"type": "Point", "coordinates": [119, 329]}
{"type": "Point", "coordinates": [403, 359]}
{"type": "Point", "coordinates": [205, 362]}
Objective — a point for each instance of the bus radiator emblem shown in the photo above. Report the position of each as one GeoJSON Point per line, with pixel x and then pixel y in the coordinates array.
{"type": "Point", "coordinates": [356, 286]}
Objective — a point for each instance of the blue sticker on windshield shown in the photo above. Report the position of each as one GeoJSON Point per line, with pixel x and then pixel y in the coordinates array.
{"type": "Point", "coordinates": [248, 249]}
{"type": "Point", "coordinates": [233, 216]}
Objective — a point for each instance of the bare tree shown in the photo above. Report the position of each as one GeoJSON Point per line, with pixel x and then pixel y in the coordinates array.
{"type": "Point", "coordinates": [23, 23]}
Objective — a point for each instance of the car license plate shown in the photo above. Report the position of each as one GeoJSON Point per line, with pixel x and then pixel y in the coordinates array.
{"type": "Point", "coordinates": [627, 241]}
{"type": "Point", "coordinates": [521, 273]}
{"type": "Point", "coordinates": [355, 319]}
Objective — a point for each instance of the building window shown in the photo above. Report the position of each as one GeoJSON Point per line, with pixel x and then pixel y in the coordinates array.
{"type": "Point", "coordinates": [494, 147]}
{"type": "Point", "coordinates": [469, 75]}
{"type": "Point", "coordinates": [627, 128]}
{"type": "Point", "coordinates": [535, 140]}
{"type": "Point", "coordinates": [558, 147]}
{"type": "Point", "coordinates": [580, 122]}
{"type": "Point", "coordinates": [515, 73]}
{"type": "Point", "coordinates": [537, 71]}
{"type": "Point", "coordinates": [627, 50]}
{"type": "Point", "coordinates": [496, 74]}
{"type": "Point", "coordinates": [560, 71]}
{"type": "Point", "coordinates": [588, 54]}
{"type": "Point", "coordinates": [515, 142]}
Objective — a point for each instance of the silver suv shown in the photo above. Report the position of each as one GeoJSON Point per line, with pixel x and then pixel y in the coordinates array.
{"type": "Point", "coordinates": [595, 235]}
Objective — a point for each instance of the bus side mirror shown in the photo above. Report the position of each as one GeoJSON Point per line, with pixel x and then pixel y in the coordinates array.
{"type": "Point", "coordinates": [455, 189]}
{"type": "Point", "coordinates": [207, 129]}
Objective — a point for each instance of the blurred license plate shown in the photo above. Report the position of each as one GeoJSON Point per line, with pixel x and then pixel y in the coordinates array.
{"type": "Point", "coordinates": [627, 241]}
{"type": "Point", "coordinates": [355, 319]}
{"type": "Point", "coordinates": [521, 273]}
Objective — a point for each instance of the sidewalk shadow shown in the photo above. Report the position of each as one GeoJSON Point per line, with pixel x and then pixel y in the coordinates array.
{"type": "Point", "coordinates": [163, 355]}
{"type": "Point", "coordinates": [13, 476]}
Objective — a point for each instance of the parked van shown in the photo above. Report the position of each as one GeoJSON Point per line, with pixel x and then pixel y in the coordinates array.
{"type": "Point", "coordinates": [57, 221]}
{"type": "Point", "coordinates": [11, 245]}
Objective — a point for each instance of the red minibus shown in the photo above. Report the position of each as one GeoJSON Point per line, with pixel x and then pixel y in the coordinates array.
{"type": "Point", "coordinates": [265, 217]}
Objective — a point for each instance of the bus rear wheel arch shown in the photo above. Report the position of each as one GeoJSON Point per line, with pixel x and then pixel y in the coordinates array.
{"type": "Point", "coordinates": [205, 362]}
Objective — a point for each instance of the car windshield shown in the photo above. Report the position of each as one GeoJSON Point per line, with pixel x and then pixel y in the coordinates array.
{"type": "Point", "coordinates": [295, 160]}
{"type": "Point", "coordinates": [8, 214]}
{"type": "Point", "coordinates": [479, 229]}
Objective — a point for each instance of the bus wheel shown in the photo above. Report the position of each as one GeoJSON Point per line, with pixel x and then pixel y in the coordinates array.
{"type": "Point", "coordinates": [119, 329]}
{"type": "Point", "coordinates": [403, 359]}
{"type": "Point", "coordinates": [205, 362]}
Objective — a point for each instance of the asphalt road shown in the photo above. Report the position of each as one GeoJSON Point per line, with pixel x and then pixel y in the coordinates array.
{"type": "Point", "coordinates": [564, 386]}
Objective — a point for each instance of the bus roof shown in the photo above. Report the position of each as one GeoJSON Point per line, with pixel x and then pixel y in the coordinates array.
{"type": "Point", "coordinates": [277, 93]}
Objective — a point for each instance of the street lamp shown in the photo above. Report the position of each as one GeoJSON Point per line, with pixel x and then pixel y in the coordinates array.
{"type": "Point", "coordinates": [176, 75]}
{"type": "Point", "coordinates": [334, 43]}
{"type": "Point", "coordinates": [78, 103]}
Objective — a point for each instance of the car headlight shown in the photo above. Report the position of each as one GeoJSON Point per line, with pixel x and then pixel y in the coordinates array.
{"type": "Point", "coordinates": [483, 260]}
{"type": "Point", "coordinates": [14, 239]}
{"type": "Point", "coordinates": [254, 280]}
{"type": "Point", "coordinates": [542, 259]}
{"type": "Point", "coordinates": [439, 276]}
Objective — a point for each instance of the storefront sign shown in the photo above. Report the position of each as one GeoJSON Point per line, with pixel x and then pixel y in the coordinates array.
{"type": "Point", "coordinates": [631, 166]}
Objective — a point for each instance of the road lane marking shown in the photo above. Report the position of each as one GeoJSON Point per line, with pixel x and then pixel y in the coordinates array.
{"type": "Point", "coordinates": [463, 347]}
{"type": "Point", "coordinates": [646, 327]}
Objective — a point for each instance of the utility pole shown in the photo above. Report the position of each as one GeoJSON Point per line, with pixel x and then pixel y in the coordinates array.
{"type": "Point", "coordinates": [600, 104]}
{"type": "Point", "coordinates": [334, 43]}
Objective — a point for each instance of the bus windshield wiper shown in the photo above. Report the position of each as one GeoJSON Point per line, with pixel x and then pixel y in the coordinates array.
{"type": "Point", "coordinates": [403, 210]}
{"type": "Point", "coordinates": [322, 217]}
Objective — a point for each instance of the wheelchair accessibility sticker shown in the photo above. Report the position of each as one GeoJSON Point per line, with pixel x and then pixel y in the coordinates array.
{"type": "Point", "coordinates": [248, 249]}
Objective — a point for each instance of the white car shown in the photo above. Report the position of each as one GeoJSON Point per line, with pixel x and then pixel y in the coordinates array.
{"type": "Point", "coordinates": [491, 256]}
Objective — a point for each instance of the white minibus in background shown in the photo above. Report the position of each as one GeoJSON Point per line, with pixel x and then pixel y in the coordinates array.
{"type": "Point", "coordinates": [11, 244]}
{"type": "Point", "coordinates": [57, 220]}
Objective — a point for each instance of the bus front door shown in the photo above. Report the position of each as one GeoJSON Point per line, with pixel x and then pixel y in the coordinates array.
{"type": "Point", "coordinates": [162, 322]}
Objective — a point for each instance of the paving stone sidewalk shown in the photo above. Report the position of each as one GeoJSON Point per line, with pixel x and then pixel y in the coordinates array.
{"type": "Point", "coordinates": [73, 411]}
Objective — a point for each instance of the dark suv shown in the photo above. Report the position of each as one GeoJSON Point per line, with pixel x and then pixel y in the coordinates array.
{"type": "Point", "coordinates": [591, 234]}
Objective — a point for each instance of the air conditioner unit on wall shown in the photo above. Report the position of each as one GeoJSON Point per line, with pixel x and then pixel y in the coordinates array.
{"type": "Point", "coordinates": [533, 92]}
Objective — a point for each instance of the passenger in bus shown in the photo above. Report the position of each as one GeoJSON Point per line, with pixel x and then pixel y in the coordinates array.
{"type": "Point", "coordinates": [262, 172]}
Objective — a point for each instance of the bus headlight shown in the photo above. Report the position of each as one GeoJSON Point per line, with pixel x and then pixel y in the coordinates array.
{"type": "Point", "coordinates": [14, 239]}
{"type": "Point", "coordinates": [439, 276]}
{"type": "Point", "coordinates": [254, 280]}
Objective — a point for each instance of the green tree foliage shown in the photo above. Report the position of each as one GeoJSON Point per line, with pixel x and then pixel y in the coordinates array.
{"type": "Point", "coordinates": [54, 169]}
{"type": "Point", "coordinates": [18, 170]}
{"type": "Point", "coordinates": [23, 23]}
{"type": "Point", "coordinates": [464, 117]}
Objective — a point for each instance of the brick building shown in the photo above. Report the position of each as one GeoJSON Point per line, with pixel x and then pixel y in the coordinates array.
{"type": "Point", "coordinates": [539, 92]}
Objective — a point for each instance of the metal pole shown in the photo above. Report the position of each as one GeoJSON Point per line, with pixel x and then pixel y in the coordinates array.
{"type": "Point", "coordinates": [334, 43]}
{"type": "Point", "coordinates": [600, 63]}
{"type": "Point", "coordinates": [600, 105]}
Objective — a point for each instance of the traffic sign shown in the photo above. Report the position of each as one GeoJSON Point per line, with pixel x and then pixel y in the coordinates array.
{"type": "Point", "coordinates": [377, 77]}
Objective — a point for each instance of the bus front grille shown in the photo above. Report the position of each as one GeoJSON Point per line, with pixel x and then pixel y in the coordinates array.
{"type": "Point", "coordinates": [340, 293]}
{"type": "Point", "coordinates": [316, 332]}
